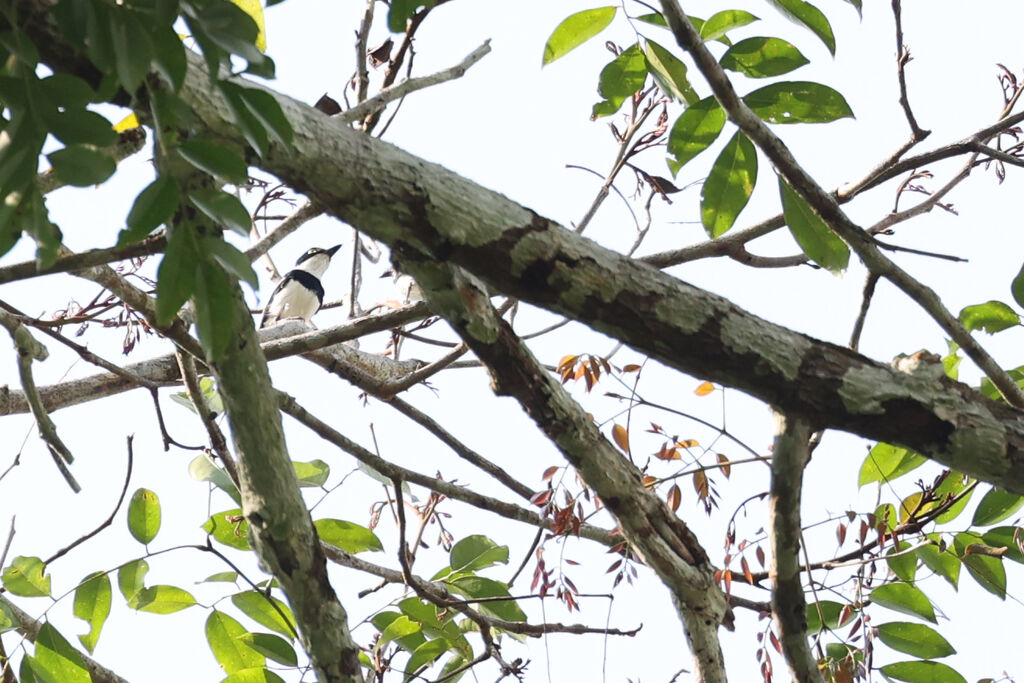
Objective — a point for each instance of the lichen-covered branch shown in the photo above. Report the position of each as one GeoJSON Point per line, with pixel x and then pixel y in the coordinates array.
{"type": "Point", "coordinates": [789, 458]}
{"type": "Point", "coordinates": [663, 540]}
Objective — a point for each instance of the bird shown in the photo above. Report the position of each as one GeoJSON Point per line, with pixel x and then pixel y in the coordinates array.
{"type": "Point", "coordinates": [406, 288]}
{"type": "Point", "coordinates": [300, 293]}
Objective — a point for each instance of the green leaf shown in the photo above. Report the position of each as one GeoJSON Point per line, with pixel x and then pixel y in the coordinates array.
{"type": "Point", "coordinates": [1017, 287]}
{"type": "Point", "coordinates": [922, 672]}
{"type": "Point", "coordinates": [313, 473]}
{"type": "Point", "coordinates": [477, 552]}
{"type": "Point", "coordinates": [92, 604]}
{"type": "Point", "coordinates": [945, 563]}
{"type": "Point", "coordinates": [886, 462]}
{"type": "Point", "coordinates": [350, 537]}
{"type": "Point", "coordinates": [202, 468]}
{"type": "Point", "coordinates": [251, 127]}
{"type": "Point", "coordinates": [424, 655]}
{"type": "Point", "coordinates": [133, 49]}
{"type": "Point", "coordinates": [260, 607]}
{"type": "Point", "coordinates": [763, 57]}
{"type": "Point", "coordinates": [223, 208]}
{"type": "Point", "coordinates": [24, 576]}
{"type": "Point", "coordinates": [989, 389]}
{"type": "Point", "coordinates": [274, 647]}
{"type": "Point", "coordinates": [828, 610]}
{"type": "Point", "coordinates": [810, 16]}
{"type": "Point", "coordinates": [729, 185]}
{"type": "Point", "coordinates": [798, 102]}
{"type": "Point", "coordinates": [669, 72]}
{"type": "Point", "coordinates": [216, 159]}
{"type": "Point", "coordinates": [480, 587]}
{"type": "Point", "coordinates": [904, 566]}
{"type": "Point", "coordinates": [992, 316]}
{"type": "Point", "coordinates": [222, 577]}
{"type": "Point", "coordinates": [233, 534]}
{"type": "Point", "coordinates": [400, 629]}
{"type": "Point", "coordinates": [59, 658]}
{"type": "Point", "coordinates": [694, 131]}
{"type": "Point", "coordinates": [989, 572]}
{"type": "Point", "coordinates": [232, 260]}
{"type": "Point", "coordinates": [81, 126]}
{"type": "Point", "coordinates": [902, 597]}
{"type": "Point", "coordinates": [255, 675]}
{"type": "Point", "coordinates": [821, 245]}
{"type": "Point", "coordinates": [655, 19]}
{"type": "Point", "coordinates": [915, 639]}
{"type": "Point", "coordinates": [169, 55]}
{"type": "Point", "coordinates": [952, 486]}
{"type": "Point", "coordinates": [995, 506]}
{"type": "Point", "coordinates": [215, 308]}
{"type": "Point", "coordinates": [67, 91]}
{"type": "Point", "coordinates": [153, 207]}
{"type": "Point", "coordinates": [131, 578]}
{"type": "Point", "coordinates": [575, 30]}
{"type": "Point", "coordinates": [1006, 537]}
{"type": "Point", "coordinates": [176, 276]}
{"type": "Point", "coordinates": [403, 10]}
{"type": "Point", "coordinates": [223, 633]}
{"type": "Point", "coordinates": [38, 224]}
{"type": "Point", "coordinates": [82, 165]}
{"type": "Point", "coordinates": [161, 600]}
{"type": "Point", "coordinates": [720, 23]}
{"type": "Point", "coordinates": [620, 79]}
{"type": "Point", "coordinates": [268, 110]}
{"type": "Point", "coordinates": [436, 623]}
{"type": "Point", "coordinates": [144, 515]}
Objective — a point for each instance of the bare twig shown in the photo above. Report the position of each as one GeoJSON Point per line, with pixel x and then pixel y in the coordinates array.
{"type": "Point", "coordinates": [220, 446]}
{"type": "Point", "coordinates": [865, 304]}
{"type": "Point", "coordinates": [30, 349]}
{"type": "Point", "coordinates": [69, 261]}
{"type": "Point", "coordinates": [399, 90]}
{"type": "Point", "coordinates": [109, 520]}
{"type": "Point", "coordinates": [289, 406]}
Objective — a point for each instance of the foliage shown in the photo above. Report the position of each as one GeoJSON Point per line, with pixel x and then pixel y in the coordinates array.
{"type": "Point", "coordinates": [54, 88]}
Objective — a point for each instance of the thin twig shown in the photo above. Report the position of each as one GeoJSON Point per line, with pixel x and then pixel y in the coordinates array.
{"type": "Point", "coordinates": [865, 304]}
{"type": "Point", "coordinates": [399, 90]}
{"type": "Point", "coordinates": [195, 392]}
{"type": "Point", "coordinates": [110, 519]}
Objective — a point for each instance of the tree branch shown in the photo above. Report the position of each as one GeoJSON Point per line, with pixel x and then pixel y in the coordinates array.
{"type": "Point", "coordinates": [789, 608]}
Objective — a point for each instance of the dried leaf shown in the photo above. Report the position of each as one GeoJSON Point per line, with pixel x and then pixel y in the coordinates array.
{"type": "Point", "coordinates": [621, 437]}
{"type": "Point", "coordinates": [549, 472]}
{"type": "Point", "coordinates": [704, 389]}
{"type": "Point", "coordinates": [724, 464]}
{"type": "Point", "coordinates": [675, 497]}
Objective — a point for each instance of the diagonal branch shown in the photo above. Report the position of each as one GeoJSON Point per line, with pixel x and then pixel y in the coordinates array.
{"type": "Point", "coordinates": [663, 540]}
{"type": "Point", "coordinates": [825, 205]}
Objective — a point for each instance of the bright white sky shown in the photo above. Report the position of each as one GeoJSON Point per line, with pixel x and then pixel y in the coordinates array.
{"type": "Point", "coordinates": [511, 126]}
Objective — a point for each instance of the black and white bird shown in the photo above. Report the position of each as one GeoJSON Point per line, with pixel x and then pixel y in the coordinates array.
{"type": "Point", "coordinates": [300, 293]}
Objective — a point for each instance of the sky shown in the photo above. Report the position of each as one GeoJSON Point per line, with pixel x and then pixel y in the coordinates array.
{"type": "Point", "coordinates": [512, 126]}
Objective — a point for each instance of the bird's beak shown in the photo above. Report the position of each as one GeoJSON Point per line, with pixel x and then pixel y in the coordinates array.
{"type": "Point", "coordinates": [387, 273]}
{"type": "Point", "coordinates": [333, 250]}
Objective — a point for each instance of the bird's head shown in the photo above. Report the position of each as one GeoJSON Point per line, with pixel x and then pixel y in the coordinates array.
{"type": "Point", "coordinates": [316, 260]}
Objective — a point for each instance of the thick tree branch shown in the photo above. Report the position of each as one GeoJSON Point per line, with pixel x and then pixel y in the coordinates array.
{"type": "Point", "coordinates": [825, 205]}
{"type": "Point", "coordinates": [789, 608]}
{"type": "Point", "coordinates": [663, 540]}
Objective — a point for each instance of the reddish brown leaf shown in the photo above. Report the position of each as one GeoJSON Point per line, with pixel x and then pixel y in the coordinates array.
{"type": "Point", "coordinates": [541, 498]}
{"type": "Point", "coordinates": [841, 533]}
{"type": "Point", "coordinates": [724, 465]}
{"type": "Point", "coordinates": [775, 642]}
{"type": "Point", "coordinates": [759, 553]}
{"type": "Point", "coordinates": [632, 367]}
{"type": "Point", "coordinates": [674, 497]}
{"type": "Point", "coordinates": [746, 570]}
{"type": "Point", "coordinates": [649, 481]}
{"type": "Point", "coordinates": [700, 484]}
{"type": "Point", "coordinates": [549, 472]}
